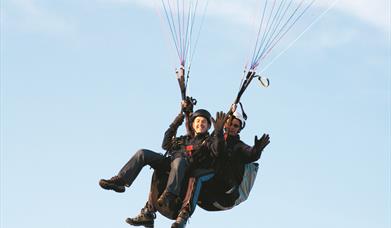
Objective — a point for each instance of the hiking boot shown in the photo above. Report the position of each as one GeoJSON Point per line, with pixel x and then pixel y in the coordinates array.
{"type": "Point", "coordinates": [181, 220]}
{"type": "Point", "coordinates": [166, 199]}
{"type": "Point", "coordinates": [145, 218]}
{"type": "Point", "coordinates": [115, 183]}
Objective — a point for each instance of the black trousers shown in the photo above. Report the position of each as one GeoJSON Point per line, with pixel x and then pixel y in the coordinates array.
{"type": "Point", "coordinates": [143, 157]}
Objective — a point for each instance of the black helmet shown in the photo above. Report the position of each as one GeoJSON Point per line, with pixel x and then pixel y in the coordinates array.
{"type": "Point", "coordinates": [200, 112]}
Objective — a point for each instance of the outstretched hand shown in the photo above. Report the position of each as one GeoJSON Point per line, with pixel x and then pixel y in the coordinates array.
{"type": "Point", "coordinates": [260, 144]}
{"type": "Point", "coordinates": [218, 124]}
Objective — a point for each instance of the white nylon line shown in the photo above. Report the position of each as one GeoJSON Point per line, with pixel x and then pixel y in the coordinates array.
{"type": "Point", "coordinates": [294, 41]}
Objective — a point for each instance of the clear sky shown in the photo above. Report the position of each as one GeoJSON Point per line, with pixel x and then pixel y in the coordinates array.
{"type": "Point", "coordinates": [84, 84]}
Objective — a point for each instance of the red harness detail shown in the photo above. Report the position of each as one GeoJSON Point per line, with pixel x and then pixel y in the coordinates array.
{"type": "Point", "coordinates": [189, 149]}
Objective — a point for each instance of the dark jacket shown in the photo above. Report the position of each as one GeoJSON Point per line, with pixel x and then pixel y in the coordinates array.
{"type": "Point", "coordinates": [201, 150]}
{"type": "Point", "coordinates": [231, 163]}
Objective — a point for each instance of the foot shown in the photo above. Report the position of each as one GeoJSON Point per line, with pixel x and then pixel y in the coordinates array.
{"type": "Point", "coordinates": [181, 220]}
{"type": "Point", "coordinates": [115, 183]}
{"type": "Point", "coordinates": [145, 218]}
{"type": "Point", "coordinates": [179, 223]}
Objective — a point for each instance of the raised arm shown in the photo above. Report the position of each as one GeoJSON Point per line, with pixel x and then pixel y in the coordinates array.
{"type": "Point", "coordinates": [218, 144]}
{"type": "Point", "coordinates": [170, 134]}
{"type": "Point", "coordinates": [254, 153]}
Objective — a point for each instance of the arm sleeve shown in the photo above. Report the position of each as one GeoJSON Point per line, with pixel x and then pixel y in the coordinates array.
{"type": "Point", "coordinates": [170, 133]}
{"type": "Point", "coordinates": [217, 145]}
{"type": "Point", "coordinates": [247, 153]}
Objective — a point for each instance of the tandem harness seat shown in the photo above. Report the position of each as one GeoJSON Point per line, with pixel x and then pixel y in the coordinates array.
{"type": "Point", "coordinates": [200, 185]}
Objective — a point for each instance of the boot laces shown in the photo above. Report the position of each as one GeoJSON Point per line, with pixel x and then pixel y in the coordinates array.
{"type": "Point", "coordinates": [116, 179]}
{"type": "Point", "coordinates": [146, 213]}
{"type": "Point", "coordinates": [184, 213]}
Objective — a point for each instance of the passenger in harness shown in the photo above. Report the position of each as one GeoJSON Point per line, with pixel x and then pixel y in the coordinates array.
{"type": "Point", "coordinates": [191, 151]}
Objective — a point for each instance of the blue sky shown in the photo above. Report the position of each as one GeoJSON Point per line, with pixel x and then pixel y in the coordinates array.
{"type": "Point", "coordinates": [84, 84]}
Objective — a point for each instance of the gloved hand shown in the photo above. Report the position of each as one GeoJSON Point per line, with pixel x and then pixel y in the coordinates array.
{"type": "Point", "coordinates": [233, 108]}
{"type": "Point", "coordinates": [218, 124]}
{"type": "Point", "coordinates": [187, 106]}
{"type": "Point", "coordinates": [178, 121]}
{"type": "Point", "coordinates": [260, 144]}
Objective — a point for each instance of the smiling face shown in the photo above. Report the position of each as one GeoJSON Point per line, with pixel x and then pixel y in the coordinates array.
{"type": "Point", "coordinates": [200, 125]}
{"type": "Point", "coordinates": [232, 128]}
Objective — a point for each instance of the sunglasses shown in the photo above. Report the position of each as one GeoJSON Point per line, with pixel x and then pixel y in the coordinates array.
{"type": "Point", "coordinates": [235, 125]}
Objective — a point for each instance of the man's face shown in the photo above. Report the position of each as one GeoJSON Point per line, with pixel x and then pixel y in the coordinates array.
{"type": "Point", "coordinates": [200, 125]}
{"type": "Point", "coordinates": [232, 128]}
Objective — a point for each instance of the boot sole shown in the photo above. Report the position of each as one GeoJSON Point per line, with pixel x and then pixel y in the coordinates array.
{"type": "Point", "coordinates": [108, 186]}
{"type": "Point", "coordinates": [145, 224]}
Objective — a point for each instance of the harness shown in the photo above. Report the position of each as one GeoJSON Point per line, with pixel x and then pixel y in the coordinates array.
{"type": "Point", "coordinates": [189, 149]}
{"type": "Point", "coordinates": [181, 144]}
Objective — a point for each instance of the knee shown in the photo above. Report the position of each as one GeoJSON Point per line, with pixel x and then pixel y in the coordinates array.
{"type": "Point", "coordinates": [178, 163]}
{"type": "Point", "coordinates": [141, 153]}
